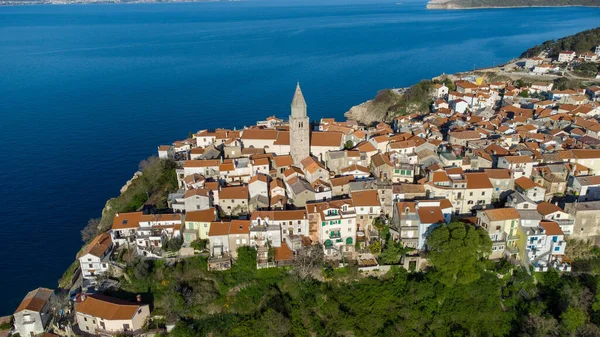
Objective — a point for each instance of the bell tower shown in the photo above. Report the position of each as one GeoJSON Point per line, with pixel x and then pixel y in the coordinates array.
{"type": "Point", "coordinates": [299, 128]}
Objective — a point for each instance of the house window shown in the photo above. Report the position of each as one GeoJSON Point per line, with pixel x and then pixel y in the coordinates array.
{"type": "Point", "coordinates": [498, 228]}
{"type": "Point", "coordinates": [482, 194]}
{"type": "Point", "coordinates": [470, 194]}
{"type": "Point", "coordinates": [470, 202]}
{"type": "Point", "coordinates": [526, 206]}
{"type": "Point", "coordinates": [555, 239]}
{"type": "Point", "coordinates": [556, 249]}
{"type": "Point", "coordinates": [90, 265]}
{"type": "Point", "coordinates": [85, 319]}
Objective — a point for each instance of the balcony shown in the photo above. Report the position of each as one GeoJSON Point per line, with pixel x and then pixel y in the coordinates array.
{"type": "Point", "coordinates": [348, 212]}
{"type": "Point", "coordinates": [335, 234]}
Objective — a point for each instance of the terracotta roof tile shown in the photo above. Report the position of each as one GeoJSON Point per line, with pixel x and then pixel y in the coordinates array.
{"type": "Point", "coordinates": [98, 245]}
{"type": "Point", "coordinates": [35, 300]}
{"type": "Point", "coordinates": [218, 228]}
{"type": "Point", "coordinates": [207, 215]}
{"type": "Point", "coordinates": [107, 308]}
{"type": "Point", "coordinates": [499, 214]}
{"type": "Point", "coordinates": [545, 208]}
{"type": "Point", "coordinates": [430, 215]}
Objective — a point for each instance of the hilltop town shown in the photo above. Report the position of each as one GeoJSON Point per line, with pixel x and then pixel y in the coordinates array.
{"type": "Point", "coordinates": [515, 161]}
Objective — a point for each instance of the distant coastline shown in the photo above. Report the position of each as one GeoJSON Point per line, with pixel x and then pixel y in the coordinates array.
{"type": "Point", "coordinates": [89, 2]}
{"type": "Point", "coordinates": [491, 4]}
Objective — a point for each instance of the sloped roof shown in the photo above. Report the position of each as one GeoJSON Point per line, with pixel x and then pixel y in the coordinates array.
{"type": "Point", "coordinates": [206, 215]}
{"type": "Point", "coordinates": [35, 300]}
{"type": "Point", "coordinates": [430, 215]}
{"type": "Point", "coordinates": [478, 180]}
{"type": "Point", "coordinates": [365, 198]}
{"type": "Point", "coordinates": [551, 227]}
{"type": "Point", "coordinates": [545, 208]}
{"type": "Point", "coordinates": [107, 308]}
{"type": "Point", "coordinates": [98, 245]}
{"type": "Point", "coordinates": [499, 214]}
{"type": "Point", "coordinates": [332, 139]}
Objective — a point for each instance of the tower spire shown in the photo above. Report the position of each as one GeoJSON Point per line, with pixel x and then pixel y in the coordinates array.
{"type": "Point", "coordinates": [299, 128]}
{"type": "Point", "coordinates": [298, 102]}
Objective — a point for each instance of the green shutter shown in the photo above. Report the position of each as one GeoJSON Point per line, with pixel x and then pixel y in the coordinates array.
{"type": "Point", "coordinates": [324, 223]}
{"type": "Point", "coordinates": [349, 241]}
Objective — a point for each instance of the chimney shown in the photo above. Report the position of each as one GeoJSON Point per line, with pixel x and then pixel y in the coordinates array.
{"type": "Point", "coordinates": [138, 298]}
{"type": "Point", "coordinates": [82, 297]}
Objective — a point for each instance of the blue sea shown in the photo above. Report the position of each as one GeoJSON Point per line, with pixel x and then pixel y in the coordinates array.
{"type": "Point", "coordinates": [87, 91]}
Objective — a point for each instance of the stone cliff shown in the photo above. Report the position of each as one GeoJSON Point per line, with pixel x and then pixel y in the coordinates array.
{"type": "Point", "coordinates": [375, 110]}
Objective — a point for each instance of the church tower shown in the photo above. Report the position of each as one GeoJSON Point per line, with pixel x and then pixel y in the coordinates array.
{"type": "Point", "coordinates": [299, 128]}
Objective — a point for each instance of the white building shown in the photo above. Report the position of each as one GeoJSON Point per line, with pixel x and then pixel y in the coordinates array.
{"type": "Point", "coordinates": [94, 260]}
{"type": "Point", "coordinates": [566, 56]}
{"type": "Point", "coordinates": [586, 188]}
{"type": "Point", "coordinates": [33, 314]}
{"type": "Point", "coordinates": [101, 315]}
{"type": "Point", "coordinates": [521, 166]}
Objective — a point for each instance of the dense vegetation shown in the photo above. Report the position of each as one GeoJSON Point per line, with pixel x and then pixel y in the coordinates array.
{"type": "Point", "coordinates": [587, 69]}
{"type": "Point", "coordinates": [461, 294]}
{"type": "Point", "coordinates": [417, 98]}
{"type": "Point", "coordinates": [157, 179]}
{"type": "Point", "coordinates": [580, 42]}
{"type": "Point", "coordinates": [518, 3]}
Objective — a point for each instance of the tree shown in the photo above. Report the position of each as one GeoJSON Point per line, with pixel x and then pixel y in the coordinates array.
{"type": "Point", "coordinates": [274, 324]}
{"type": "Point", "coordinates": [456, 251]}
{"type": "Point", "coordinates": [392, 253]}
{"type": "Point", "coordinates": [90, 230]}
{"type": "Point", "coordinates": [375, 248]}
{"type": "Point", "coordinates": [349, 144]}
{"type": "Point", "coordinates": [173, 244]}
{"type": "Point", "coordinates": [537, 326]}
{"type": "Point", "coordinates": [308, 261]}
{"type": "Point", "coordinates": [572, 319]}
{"type": "Point", "coordinates": [141, 268]}
{"type": "Point", "coordinates": [199, 244]}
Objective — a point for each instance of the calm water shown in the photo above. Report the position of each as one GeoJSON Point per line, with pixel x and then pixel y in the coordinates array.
{"type": "Point", "coordinates": [86, 92]}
